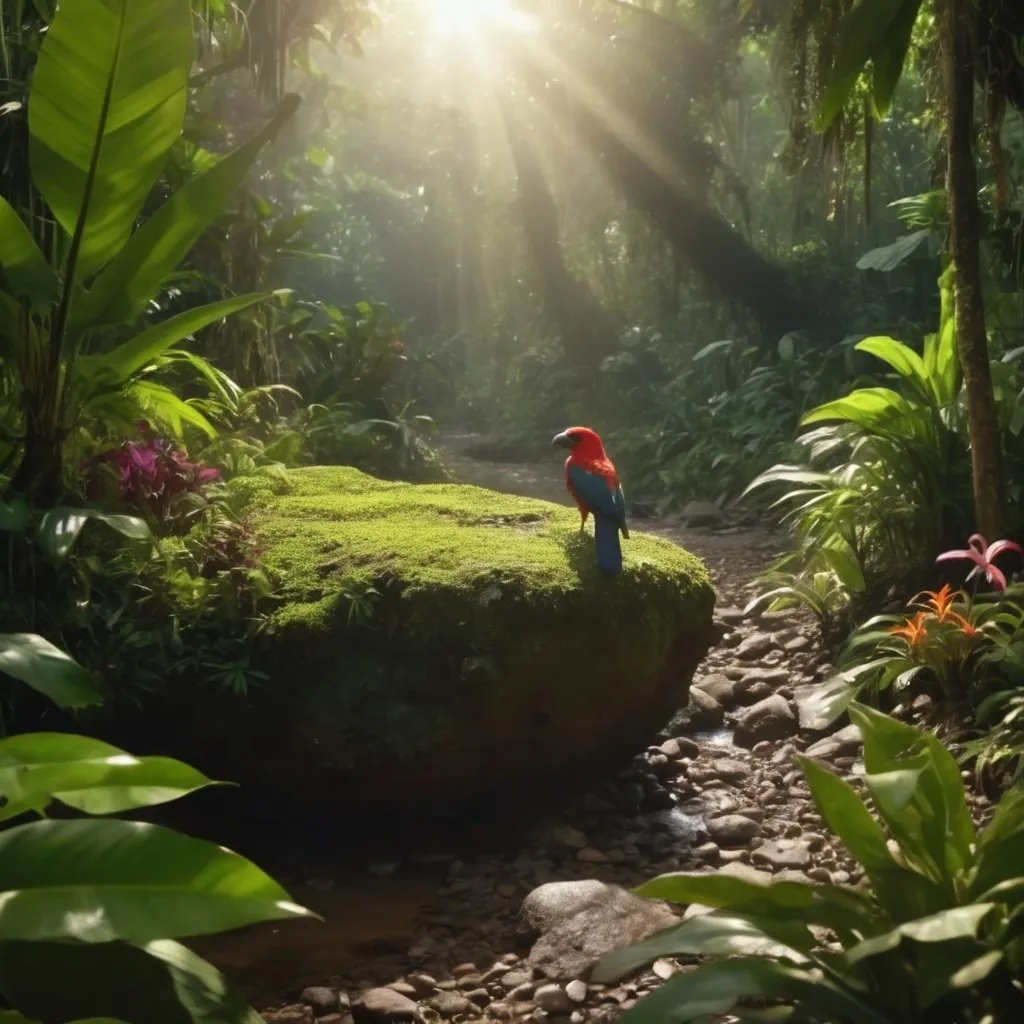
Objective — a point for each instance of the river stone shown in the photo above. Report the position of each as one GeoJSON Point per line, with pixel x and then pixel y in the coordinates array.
{"type": "Point", "coordinates": [783, 855]}
{"type": "Point", "coordinates": [732, 830]}
{"type": "Point", "coordinates": [755, 646]}
{"type": "Point", "coordinates": [321, 999]}
{"type": "Point", "coordinates": [718, 686]}
{"type": "Point", "coordinates": [452, 1004]}
{"type": "Point", "coordinates": [702, 712]}
{"type": "Point", "coordinates": [483, 676]}
{"type": "Point", "coordinates": [768, 719]}
{"type": "Point", "coordinates": [844, 742]}
{"type": "Point", "coordinates": [577, 923]}
{"type": "Point", "coordinates": [383, 1006]}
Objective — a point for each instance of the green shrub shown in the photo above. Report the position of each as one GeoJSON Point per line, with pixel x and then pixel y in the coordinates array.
{"type": "Point", "coordinates": [91, 908]}
{"type": "Point", "coordinates": [932, 936]}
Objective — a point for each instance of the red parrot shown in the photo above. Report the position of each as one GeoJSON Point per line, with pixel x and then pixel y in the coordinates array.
{"type": "Point", "coordinates": [594, 485]}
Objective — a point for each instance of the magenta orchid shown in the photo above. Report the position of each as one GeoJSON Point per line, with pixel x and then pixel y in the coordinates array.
{"type": "Point", "coordinates": [983, 555]}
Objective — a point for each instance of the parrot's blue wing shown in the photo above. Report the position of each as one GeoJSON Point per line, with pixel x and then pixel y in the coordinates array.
{"type": "Point", "coordinates": [596, 493]}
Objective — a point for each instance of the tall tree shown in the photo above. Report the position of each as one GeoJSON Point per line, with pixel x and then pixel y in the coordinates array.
{"type": "Point", "coordinates": [878, 33]}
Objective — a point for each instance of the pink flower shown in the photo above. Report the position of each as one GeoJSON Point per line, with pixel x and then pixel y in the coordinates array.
{"type": "Point", "coordinates": [983, 555]}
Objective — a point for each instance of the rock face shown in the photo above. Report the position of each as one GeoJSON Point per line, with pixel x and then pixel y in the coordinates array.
{"type": "Point", "coordinates": [576, 923]}
{"type": "Point", "coordinates": [495, 656]}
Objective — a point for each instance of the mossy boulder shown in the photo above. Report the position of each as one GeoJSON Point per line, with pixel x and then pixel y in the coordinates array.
{"type": "Point", "coordinates": [439, 643]}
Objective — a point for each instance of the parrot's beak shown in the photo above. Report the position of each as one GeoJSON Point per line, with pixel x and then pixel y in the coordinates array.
{"type": "Point", "coordinates": [562, 440]}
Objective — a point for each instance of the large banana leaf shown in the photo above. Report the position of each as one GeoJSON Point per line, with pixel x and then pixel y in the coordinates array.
{"type": "Point", "coordinates": [121, 292]}
{"type": "Point", "coordinates": [159, 983]}
{"type": "Point", "coordinates": [87, 774]}
{"type": "Point", "coordinates": [107, 103]}
{"type": "Point", "coordinates": [23, 267]}
{"type": "Point", "coordinates": [107, 880]}
{"type": "Point", "coordinates": [34, 661]}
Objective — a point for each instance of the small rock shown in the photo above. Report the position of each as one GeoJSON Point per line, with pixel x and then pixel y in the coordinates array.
{"type": "Point", "coordinates": [768, 719]}
{"type": "Point", "coordinates": [451, 1004]}
{"type": "Point", "coordinates": [403, 988]}
{"type": "Point", "coordinates": [322, 1000]}
{"type": "Point", "coordinates": [702, 712]}
{"type": "Point", "coordinates": [507, 890]}
{"type": "Point", "coordinates": [588, 855]}
{"type": "Point", "coordinates": [783, 854]}
{"type": "Point", "coordinates": [730, 770]}
{"type": "Point", "coordinates": [566, 835]}
{"type": "Point", "coordinates": [577, 991]}
{"type": "Point", "coordinates": [732, 830]}
{"type": "Point", "coordinates": [553, 999]}
{"type": "Point", "coordinates": [383, 1006]}
{"type": "Point", "coordinates": [702, 513]}
{"type": "Point", "coordinates": [423, 984]}
{"type": "Point", "coordinates": [755, 646]}
{"type": "Point", "coordinates": [664, 969]}
{"type": "Point", "coordinates": [720, 687]}
{"type": "Point", "coordinates": [844, 742]}
{"type": "Point", "coordinates": [516, 979]}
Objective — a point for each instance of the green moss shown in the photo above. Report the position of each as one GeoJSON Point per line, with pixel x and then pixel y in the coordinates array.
{"type": "Point", "coordinates": [476, 589]}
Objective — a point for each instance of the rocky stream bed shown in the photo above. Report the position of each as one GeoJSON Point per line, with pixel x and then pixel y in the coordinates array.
{"type": "Point", "coordinates": [509, 934]}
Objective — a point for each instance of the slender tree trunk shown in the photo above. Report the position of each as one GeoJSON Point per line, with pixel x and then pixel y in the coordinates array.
{"type": "Point", "coordinates": [965, 240]}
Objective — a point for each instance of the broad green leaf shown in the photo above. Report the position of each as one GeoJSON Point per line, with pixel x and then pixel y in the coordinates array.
{"type": "Point", "coordinates": [107, 103]}
{"type": "Point", "coordinates": [60, 528]}
{"type": "Point", "coordinates": [86, 774]}
{"type": "Point", "coordinates": [887, 258]}
{"type": "Point", "coordinates": [104, 880]}
{"type": "Point", "coordinates": [47, 669]}
{"type": "Point", "coordinates": [880, 410]}
{"type": "Point", "coordinates": [133, 356]}
{"type": "Point", "coordinates": [904, 360]}
{"type": "Point", "coordinates": [826, 905]}
{"type": "Point", "coordinates": [715, 988]}
{"type": "Point", "coordinates": [121, 292]}
{"type": "Point", "coordinates": [162, 982]}
{"type": "Point", "coordinates": [890, 55]}
{"type": "Point", "coordinates": [937, 814]}
{"type": "Point", "coordinates": [719, 933]}
{"type": "Point", "coordinates": [945, 926]}
{"type": "Point", "coordinates": [23, 267]}
{"type": "Point", "coordinates": [862, 33]}
{"type": "Point", "coordinates": [846, 567]}
{"type": "Point", "coordinates": [848, 817]}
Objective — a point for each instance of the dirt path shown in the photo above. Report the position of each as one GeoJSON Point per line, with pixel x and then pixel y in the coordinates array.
{"type": "Point", "coordinates": [446, 936]}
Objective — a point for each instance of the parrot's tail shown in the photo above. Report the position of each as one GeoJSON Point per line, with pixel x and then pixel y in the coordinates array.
{"type": "Point", "coordinates": [606, 543]}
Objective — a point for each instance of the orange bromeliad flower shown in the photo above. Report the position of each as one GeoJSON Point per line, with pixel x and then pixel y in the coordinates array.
{"type": "Point", "coordinates": [913, 630]}
{"type": "Point", "coordinates": [941, 602]}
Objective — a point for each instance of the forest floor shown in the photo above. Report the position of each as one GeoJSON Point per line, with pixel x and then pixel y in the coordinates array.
{"type": "Point", "coordinates": [448, 940]}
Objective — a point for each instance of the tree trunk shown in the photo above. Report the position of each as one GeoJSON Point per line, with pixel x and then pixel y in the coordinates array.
{"type": "Point", "coordinates": [586, 329]}
{"type": "Point", "coordinates": [39, 476]}
{"type": "Point", "coordinates": [965, 240]}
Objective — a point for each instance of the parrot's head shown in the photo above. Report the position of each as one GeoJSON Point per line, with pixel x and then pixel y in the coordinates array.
{"type": "Point", "coordinates": [580, 439]}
